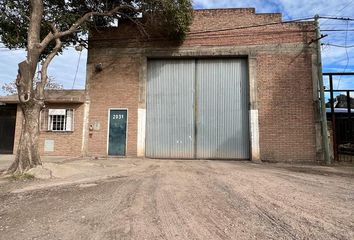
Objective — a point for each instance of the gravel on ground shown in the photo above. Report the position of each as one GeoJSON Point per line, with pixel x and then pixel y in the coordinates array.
{"type": "Point", "coordinates": [176, 199]}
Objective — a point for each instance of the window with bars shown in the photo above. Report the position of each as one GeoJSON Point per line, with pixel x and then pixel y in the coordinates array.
{"type": "Point", "coordinates": [57, 120]}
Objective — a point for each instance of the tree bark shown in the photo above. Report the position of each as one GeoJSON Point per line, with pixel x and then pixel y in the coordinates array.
{"type": "Point", "coordinates": [32, 97]}
{"type": "Point", "coordinates": [27, 155]}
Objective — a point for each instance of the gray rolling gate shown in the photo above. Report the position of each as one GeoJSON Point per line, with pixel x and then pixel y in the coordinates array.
{"type": "Point", "coordinates": [197, 108]}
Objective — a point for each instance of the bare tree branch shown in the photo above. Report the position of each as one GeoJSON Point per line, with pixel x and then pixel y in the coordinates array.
{"type": "Point", "coordinates": [44, 71]}
{"type": "Point", "coordinates": [139, 25]}
{"type": "Point", "coordinates": [55, 34]}
{"type": "Point", "coordinates": [75, 27]}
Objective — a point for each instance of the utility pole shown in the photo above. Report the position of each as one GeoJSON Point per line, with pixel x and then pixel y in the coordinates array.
{"type": "Point", "coordinates": [323, 114]}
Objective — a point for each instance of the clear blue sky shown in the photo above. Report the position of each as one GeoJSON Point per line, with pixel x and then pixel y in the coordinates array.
{"type": "Point", "coordinates": [335, 59]}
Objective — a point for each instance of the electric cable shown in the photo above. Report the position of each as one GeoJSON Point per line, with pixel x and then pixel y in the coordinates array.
{"type": "Point", "coordinates": [77, 70]}
{"type": "Point", "coordinates": [346, 52]}
{"type": "Point", "coordinates": [337, 30]}
{"type": "Point", "coordinates": [339, 46]}
{"type": "Point", "coordinates": [342, 9]}
{"type": "Point", "coordinates": [251, 26]}
{"type": "Point", "coordinates": [337, 18]}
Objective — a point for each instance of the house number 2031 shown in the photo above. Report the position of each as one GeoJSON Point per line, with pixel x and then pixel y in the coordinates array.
{"type": "Point", "coordinates": [118, 116]}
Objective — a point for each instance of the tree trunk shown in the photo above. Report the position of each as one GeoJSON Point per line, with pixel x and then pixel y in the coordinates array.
{"type": "Point", "coordinates": [27, 155]}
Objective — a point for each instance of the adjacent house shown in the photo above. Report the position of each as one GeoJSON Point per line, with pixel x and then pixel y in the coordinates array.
{"type": "Point", "coordinates": [242, 85]}
{"type": "Point", "coordinates": [61, 123]}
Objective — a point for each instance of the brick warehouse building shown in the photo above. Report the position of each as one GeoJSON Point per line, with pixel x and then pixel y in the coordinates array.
{"type": "Point", "coordinates": [245, 93]}
{"type": "Point", "coordinates": [241, 86]}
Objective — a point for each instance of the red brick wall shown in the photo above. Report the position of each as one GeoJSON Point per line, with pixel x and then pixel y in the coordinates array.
{"type": "Point", "coordinates": [65, 143]}
{"type": "Point", "coordinates": [284, 79]}
{"type": "Point", "coordinates": [286, 111]}
{"type": "Point", "coordinates": [115, 87]}
{"type": "Point", "coordinates": [202, 31]}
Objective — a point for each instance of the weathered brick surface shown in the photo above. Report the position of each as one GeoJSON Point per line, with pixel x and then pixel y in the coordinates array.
{"type": "Point", "coordinates": [222, 27]}
{"type": "Point", "coordinates": [65, 143]}
{"type": "Point", "coordinates": [284, 79]}
{"type": "Point", "coordinates": [286, 111]}
{"type": "Point", "coordinates": [115, 87]}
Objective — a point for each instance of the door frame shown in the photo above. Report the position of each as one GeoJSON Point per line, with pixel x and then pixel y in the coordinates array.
{"type": "Point", "coordinates": [126, 136]}
{"type": "Point", "coordinates": [210, 52]}
{"type": "Point", "coordinates": [252, 110]}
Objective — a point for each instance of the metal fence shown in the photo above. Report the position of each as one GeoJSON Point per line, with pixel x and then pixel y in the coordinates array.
{"type": "Point", "coordinates": [340, 115]}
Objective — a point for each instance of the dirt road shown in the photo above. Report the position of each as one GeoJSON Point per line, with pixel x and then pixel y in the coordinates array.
{"type": "Point", "coordinates": [162, 199]}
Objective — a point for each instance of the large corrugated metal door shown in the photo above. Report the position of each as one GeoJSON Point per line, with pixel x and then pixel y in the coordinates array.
{"type": "Point", "coordinates": [222, 109]}
{"type": "Point", "coordinates": [170, 114]}
{"type": "Point", "coordinates": [197, 109]}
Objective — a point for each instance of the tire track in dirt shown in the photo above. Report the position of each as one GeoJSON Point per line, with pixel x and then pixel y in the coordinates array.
{"type": "Point", "coordinates": [87, 203]}
{"type": "Point", "coordinates": [160, 199]}
{"type": "Point", "coordinates": [183, 194]}
{"type": "Point", "coordinates": [214, 214]}
{"type": "Point", "coordinates": [174, 222]}
{"type": "Point", "coordinates": [283, 227]}
{"type": "Point", "coordinates": [146, 222]}
{"type": "Point", "coordinates": [289, 212]}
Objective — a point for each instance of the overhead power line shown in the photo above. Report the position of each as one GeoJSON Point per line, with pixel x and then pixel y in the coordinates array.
{"type": "Point", "coordinates": [77, 69]}
{"type": "Point", "coordinates": [336, 45]}
{"type": "Point", "coordinates": [276, 23]}
{"type": "Point", "coordinates": [323, 8]}
{"type": "Point", "coordinates": [251, 26]}
{"type": "Point", "coordinates": [337, 30]}
{"type": "Point", "coordinates": [342, 9]}
{"type": "Point", "coordinates": [337, 24]}
{"type": "Point", "coordinates": [196, 33]}
{"type": "Point", "coordinates": [346, 52]}
{"type": "Point", "coordinates": [338, 18]}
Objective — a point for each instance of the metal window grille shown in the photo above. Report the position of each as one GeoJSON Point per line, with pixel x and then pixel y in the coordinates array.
{"type": "Point", "coordinates": [57, 120]}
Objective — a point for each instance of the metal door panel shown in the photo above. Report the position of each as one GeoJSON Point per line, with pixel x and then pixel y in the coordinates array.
{"type": "Point", "coordinates": [170, 110]}
{"type": "Point", "coordinates": [117, 132]}
{"type": "Point", "coordinates": [197, 109]}
{"type": "Point", "coordinates": [222, 109]}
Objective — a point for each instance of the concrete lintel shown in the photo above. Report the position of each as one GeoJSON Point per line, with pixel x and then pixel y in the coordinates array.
{"type": "Point", "coordinates": [107, 53]}
{"type": "Point", "coordinates": [210, 51]}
